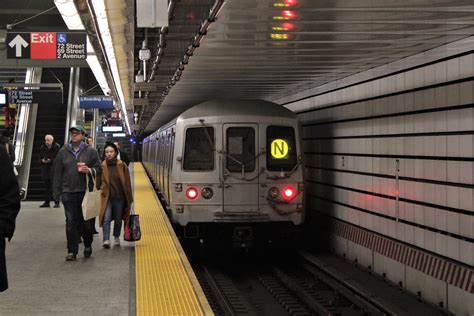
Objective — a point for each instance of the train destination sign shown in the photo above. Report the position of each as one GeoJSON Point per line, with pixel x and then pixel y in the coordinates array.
{"type": "Point", "coordinates": [46, 45]}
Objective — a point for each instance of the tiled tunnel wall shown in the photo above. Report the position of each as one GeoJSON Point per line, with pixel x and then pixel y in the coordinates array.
{"type": "Point", "coordinates": [389, 172]}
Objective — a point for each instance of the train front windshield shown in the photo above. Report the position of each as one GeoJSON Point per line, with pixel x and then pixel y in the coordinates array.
{"type": "Point", "coordinates": [281, 148]}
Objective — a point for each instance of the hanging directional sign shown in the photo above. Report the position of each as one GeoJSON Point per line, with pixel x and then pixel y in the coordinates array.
{"type": "Point", "coordinates": [46, 45]}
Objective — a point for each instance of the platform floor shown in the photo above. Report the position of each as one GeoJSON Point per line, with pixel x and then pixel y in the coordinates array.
{"type": "Point", "coordinates": [43, 283]}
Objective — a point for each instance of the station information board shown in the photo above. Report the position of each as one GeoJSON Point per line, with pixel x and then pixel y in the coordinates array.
{"type": "Point", "coordinates": [46, 45]}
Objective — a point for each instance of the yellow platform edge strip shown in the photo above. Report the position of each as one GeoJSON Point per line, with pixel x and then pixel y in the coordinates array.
{"type": "Point", "coordinates": [165, 282]}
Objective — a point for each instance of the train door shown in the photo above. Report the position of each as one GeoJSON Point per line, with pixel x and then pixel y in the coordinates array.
{"type": "Point", "coordinates": [240, 167]}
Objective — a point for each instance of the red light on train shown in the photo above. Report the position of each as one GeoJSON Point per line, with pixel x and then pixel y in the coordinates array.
{"type": "Point", "coordinates": [192, 193]}
{"type": "Point", "coordinates": [289, 193]}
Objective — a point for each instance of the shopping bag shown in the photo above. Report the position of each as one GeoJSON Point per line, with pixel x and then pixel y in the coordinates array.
{"type": "Point", "coordinates": [91, 201]}
{"type": "Point", "coordinates": [132, 231]}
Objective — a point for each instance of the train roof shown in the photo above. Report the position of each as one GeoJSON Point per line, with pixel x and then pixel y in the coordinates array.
{"type": "Point", "coordinates": [237, 107]}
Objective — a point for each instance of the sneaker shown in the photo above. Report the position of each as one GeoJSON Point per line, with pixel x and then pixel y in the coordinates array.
{"type": "Point", "coordinates": [71, 257]}
{"type": "Point", "coordinates": [106, 244]}
{"type": "Point", "coordinates": [87, 252]}
{"type": "Point", "coordinates": [45, 204]}
{"type": "Point", "coordinates": [117, 241]}
{"type": "Point", "coordinates": [56, 205]}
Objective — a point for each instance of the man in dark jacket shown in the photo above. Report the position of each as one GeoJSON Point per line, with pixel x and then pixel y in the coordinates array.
{"type": "Point", "coordinates": [5, 143]}
{"type": "Point", "coordinates": [9, 208]}
{"type": "Point", "coordinates": [73, 163]}
{"type": "Point", "coordinates": [48, 153]}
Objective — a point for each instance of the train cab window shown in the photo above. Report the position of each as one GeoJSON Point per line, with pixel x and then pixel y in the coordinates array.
{"type": "Point", "coordinates": [240, 149]}
{"type": "Point", "coordinates": [281, 148]}
{"type": "Point", "coordinates": [198, 149]}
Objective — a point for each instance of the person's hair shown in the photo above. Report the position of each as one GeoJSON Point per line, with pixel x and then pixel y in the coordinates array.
{"type": "Point", "coordinates": [49, 136]}
{"type": "Point", "coordinates": [111, 145]}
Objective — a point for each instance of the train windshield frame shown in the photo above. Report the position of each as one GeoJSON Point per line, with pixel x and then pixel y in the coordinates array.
{"type": "Point", "coordinates": [240, 148]}
{"type": "Point", "coordinates": [281, 148]}
{"type": "Point", "coordinates": [199, 149]}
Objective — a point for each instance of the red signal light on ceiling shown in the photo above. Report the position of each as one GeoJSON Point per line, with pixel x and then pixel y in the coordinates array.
{"type": "Point", "coordinates": [288, 26]}
{"type": "Point", "coordinates": [289, 193]}
{"type": "Point", "coordinates": [192, 193]}
{"type": "Point", "coordinates": [291, 2]}
{"type": "Point", "coordinates": [288, 14]}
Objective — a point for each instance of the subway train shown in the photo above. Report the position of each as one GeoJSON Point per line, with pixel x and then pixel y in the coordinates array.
{"type": "Point", "coordinates": [230, 171]}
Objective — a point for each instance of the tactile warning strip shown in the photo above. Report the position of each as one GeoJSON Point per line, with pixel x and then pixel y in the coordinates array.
{"type": "Point", "coordinates": [165, 281]}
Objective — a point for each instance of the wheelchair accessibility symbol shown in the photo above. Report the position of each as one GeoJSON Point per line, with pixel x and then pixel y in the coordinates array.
{"type": "Point", "coordinates": [61, 38]}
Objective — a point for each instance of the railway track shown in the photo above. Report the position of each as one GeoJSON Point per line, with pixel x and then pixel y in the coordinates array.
{"type": "Point", "coordinates": [299, 287]}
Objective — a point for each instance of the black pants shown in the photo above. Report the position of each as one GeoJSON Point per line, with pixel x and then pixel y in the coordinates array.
{"type": "Point", "coordinates": [48, 194]}
{"type": "Point", "coordinates": [3, 266]}
{"type": "Point", "coordinates": [75, 223]}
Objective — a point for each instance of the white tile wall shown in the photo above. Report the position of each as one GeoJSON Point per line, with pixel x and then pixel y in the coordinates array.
{"type": "Point", "coordinates": [460, 302]}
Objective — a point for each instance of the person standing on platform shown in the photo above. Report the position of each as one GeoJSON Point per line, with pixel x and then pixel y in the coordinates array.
{"type": "Point", "coordinates": [9, 208]}
{"type": "Point", "coordinates": [73, 163]}
{"type": "Point", "coordinates": [5, 143]}
{"type": "Point", "coordinates": [90, 141]}
{"type": "Point", "coordinates": [48, 153]}
{"type": "Point", "coordinates": [116, 194]}
{"type": "Point", "coordinates": [121, 154]}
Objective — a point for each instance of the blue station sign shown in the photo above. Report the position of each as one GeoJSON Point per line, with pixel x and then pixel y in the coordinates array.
{"type": "Point", "coordinates": [96, 102]}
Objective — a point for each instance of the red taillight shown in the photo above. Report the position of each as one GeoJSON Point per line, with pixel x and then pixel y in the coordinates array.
{"type": "Point", "coordinates": [288, 193]}
{"type": "Point", "coordinates": [288, 14]}
{"type": "Point", "coordinates": [192, 193]}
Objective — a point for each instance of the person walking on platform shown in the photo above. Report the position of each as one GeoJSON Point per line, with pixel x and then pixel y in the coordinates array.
{"type": "Point", "coordinates": [121, 154]}
{"type": "Point", "coordinates": [71, 166]}
{"type": "Point", "coordinates": [116, 194]}
{"type": "Point", "coordinates": [48, 153]}
{"type": "Point", "coordinates": [9, 208]}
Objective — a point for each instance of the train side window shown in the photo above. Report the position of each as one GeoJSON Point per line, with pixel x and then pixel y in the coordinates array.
{"type": "Point", "coordinates": [240, 149]}
{"type": "Point", "coordinates": [198, 151]}
{"type": "Point", "coordinates": [281, 148]}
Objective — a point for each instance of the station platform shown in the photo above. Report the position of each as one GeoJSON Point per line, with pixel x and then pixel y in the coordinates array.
{"type": "Point", "coordinates": [149, 277]}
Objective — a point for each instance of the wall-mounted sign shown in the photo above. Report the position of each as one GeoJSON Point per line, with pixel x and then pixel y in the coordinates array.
{"type": "Point", "coordinates": [279, 149]}
{"type": "Point", "coordinates": [119, 135]}
{"type": "Point", "coordinates": [46, 45]}
{"type": "Point", "coordinates": [96, 102]}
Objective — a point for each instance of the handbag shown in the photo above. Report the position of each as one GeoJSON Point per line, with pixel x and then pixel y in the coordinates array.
{"type": "Point", "coordinates": [132, 231]}
{"type": "Point", "coordinates": [91, 201]}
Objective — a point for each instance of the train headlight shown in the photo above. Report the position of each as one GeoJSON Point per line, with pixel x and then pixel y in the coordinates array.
{"type": "Point", "coordinates": [273, 193]}
{"type": "Point", "coordinates": [207, 193]}
{"type": "Point", "coordinates": [289, 193]}
{"type": "Point", "coordinates": [192, 193]}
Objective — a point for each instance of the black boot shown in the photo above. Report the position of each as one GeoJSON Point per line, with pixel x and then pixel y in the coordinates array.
{"type": "Point", "coordinates": [56, 204]}
{"type": "Point", "coordinates": [45, 204]}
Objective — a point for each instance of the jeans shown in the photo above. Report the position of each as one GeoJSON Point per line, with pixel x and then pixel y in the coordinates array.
{"type": "Point", "coordinates": [113, 212]}
{"type": "Point", "coordinates": [75, 223]}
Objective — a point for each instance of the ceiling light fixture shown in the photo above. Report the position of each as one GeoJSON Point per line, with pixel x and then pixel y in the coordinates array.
{"type": "Point", "coordinates": [71, 17]}
{"type": "Point", "coordinates": [100, 13]}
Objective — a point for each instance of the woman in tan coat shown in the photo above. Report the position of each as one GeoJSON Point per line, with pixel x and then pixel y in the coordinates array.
{"type": "Point", "coordinates": [116, 194]}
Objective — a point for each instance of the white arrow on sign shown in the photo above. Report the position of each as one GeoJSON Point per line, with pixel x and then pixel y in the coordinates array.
{"type": "Point", "coordinates": [18, 42]}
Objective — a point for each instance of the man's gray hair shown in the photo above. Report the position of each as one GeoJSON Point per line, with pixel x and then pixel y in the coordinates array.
{"type": "Point", "coordinates": [49, 136]}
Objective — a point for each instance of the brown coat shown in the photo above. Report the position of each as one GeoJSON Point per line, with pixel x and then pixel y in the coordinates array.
{"type": "Point", "coordinates": [103, 184]}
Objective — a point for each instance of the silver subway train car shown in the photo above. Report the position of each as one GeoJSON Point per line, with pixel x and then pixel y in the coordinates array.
{"type": "Point", "coordinates": [230, 170]}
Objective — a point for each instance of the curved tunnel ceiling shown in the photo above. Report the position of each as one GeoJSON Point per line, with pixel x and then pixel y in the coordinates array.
{"type": "Point", "coordinates": [269, 49]}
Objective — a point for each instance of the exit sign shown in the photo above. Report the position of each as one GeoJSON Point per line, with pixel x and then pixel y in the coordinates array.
{"type": "Point", "coordinates": [46, 45]}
